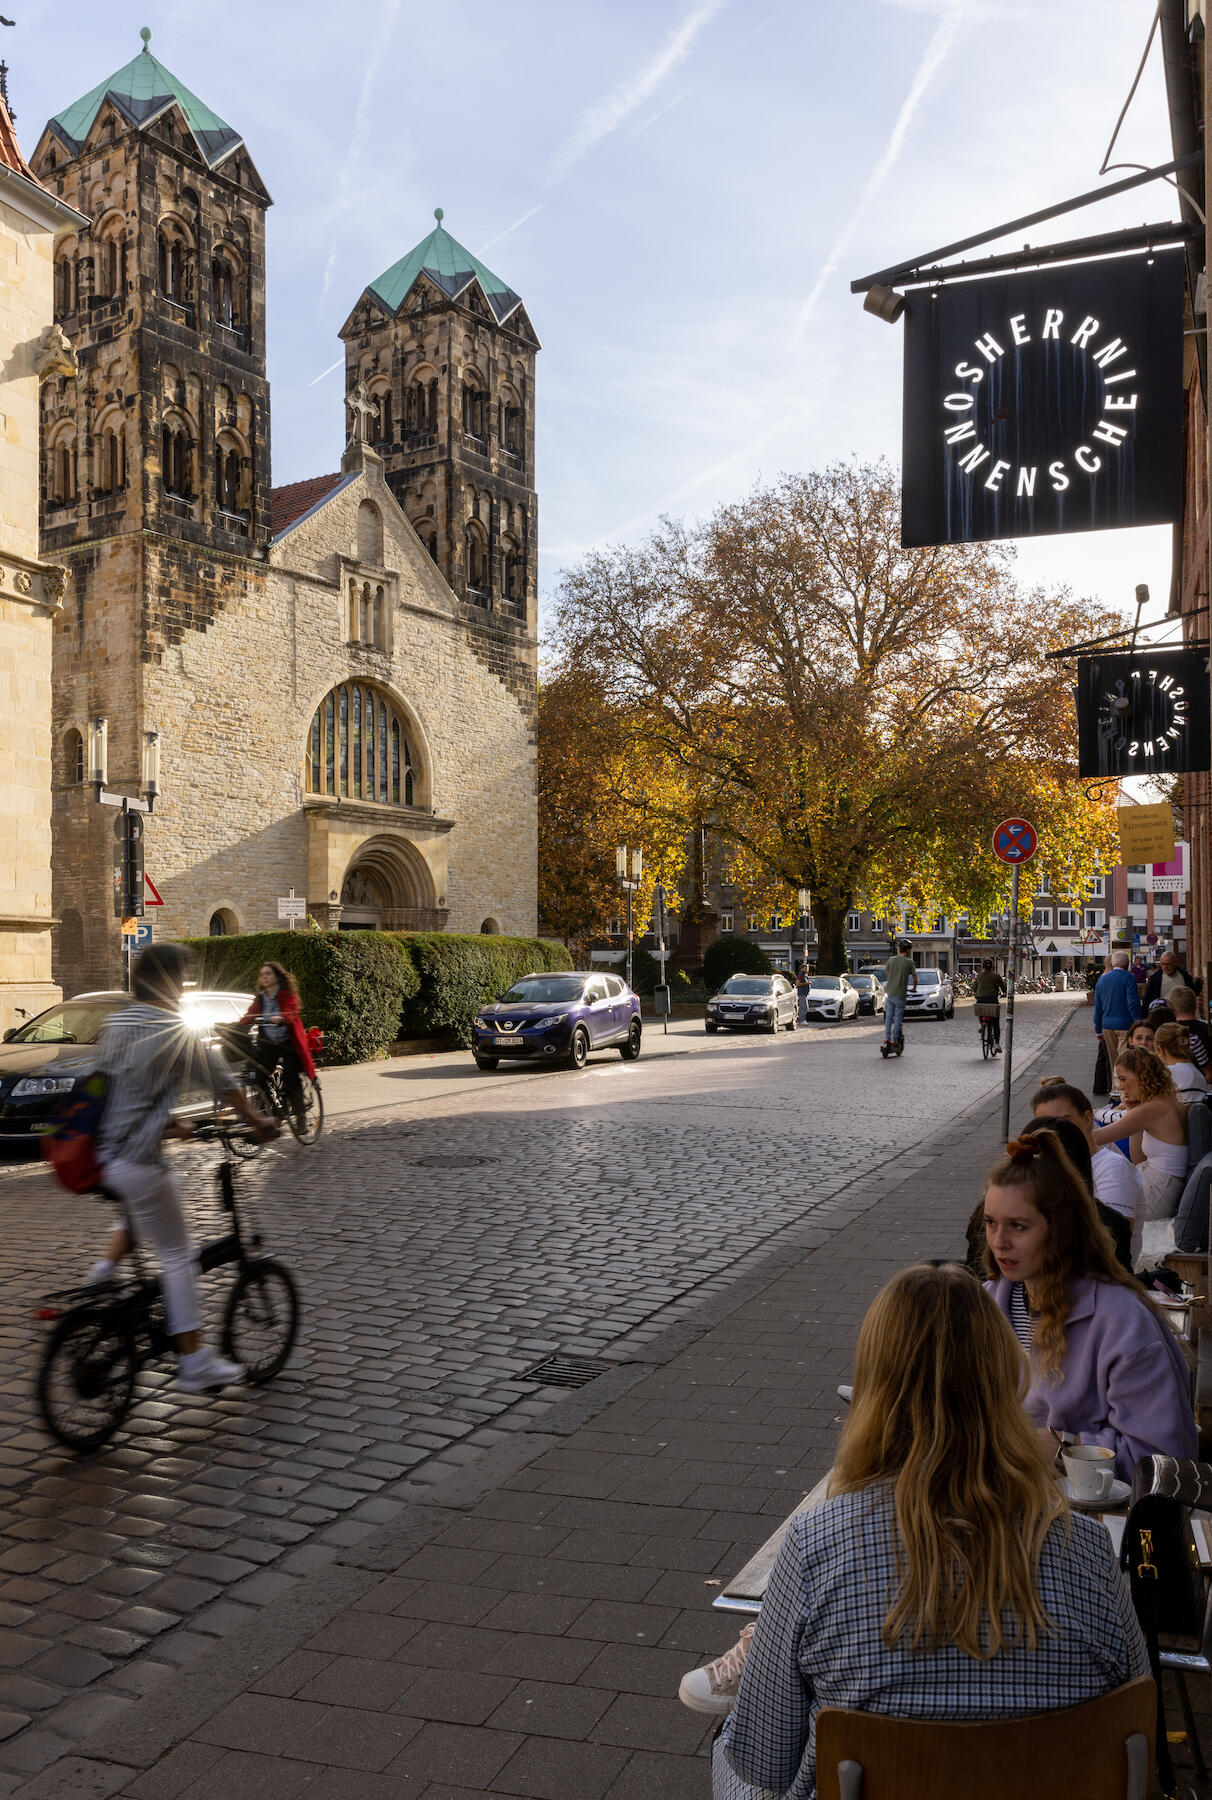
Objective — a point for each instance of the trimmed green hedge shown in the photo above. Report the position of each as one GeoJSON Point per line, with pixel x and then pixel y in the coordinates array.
{"type": "Point", "coordinates": [367, 988]}
{"type": "Point", "coordinates": [732, 956]}
{"type": "Point", "coordinates": [458, 975]}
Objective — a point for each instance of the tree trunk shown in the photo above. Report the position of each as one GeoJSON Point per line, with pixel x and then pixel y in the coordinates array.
{"type": "Point", "coordinates": [830, 937]}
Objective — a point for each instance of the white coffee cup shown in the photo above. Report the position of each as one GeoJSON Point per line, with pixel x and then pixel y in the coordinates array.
{"type": "Point", "coordinates": [1090, 1470]}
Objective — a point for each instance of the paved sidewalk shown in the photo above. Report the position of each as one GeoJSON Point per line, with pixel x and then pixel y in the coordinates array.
{"type": "Point", "coordinates": [521, 1629]}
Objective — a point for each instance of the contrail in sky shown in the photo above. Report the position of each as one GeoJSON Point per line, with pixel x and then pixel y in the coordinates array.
{"type": "Point", "coordinates": [388, 13]}
{"type": "Point", "coordinates": [947, 34]}
{"type": "Point", "coordinates": [618, 105]}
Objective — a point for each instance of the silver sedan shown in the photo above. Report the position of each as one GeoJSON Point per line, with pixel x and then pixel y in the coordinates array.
{"type": "Point", "coordinates": [754, 1002]}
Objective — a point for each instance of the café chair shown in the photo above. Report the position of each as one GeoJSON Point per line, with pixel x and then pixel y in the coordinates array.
{"type": "Point", "coordinates": [1101, 1750]}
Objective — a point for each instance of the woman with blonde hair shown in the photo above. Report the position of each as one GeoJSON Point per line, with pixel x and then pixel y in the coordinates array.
{"type": "Point", "coordinates": [1173, 1045]}
{"type": "Point", "coordinates": [1154, 1119]}
{"type": "Point", "coordinates": [944, 1577]}
{"type": "Point", "coordinates": [1105, 1367]}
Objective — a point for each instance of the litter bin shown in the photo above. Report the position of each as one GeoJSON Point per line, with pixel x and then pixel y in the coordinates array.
{"type": "Point", "coordinates": [1060, 982]}
{"type": "Point", "coordinates": [660, 1000]}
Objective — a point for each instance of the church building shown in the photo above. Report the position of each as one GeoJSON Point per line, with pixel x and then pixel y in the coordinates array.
{"type": "Point", "coordinates": [329, 687]}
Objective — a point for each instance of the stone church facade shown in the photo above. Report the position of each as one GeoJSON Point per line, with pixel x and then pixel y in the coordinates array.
{"type": "Point", "coordinates": [332, 684]}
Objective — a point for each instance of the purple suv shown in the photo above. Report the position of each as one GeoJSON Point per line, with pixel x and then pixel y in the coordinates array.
{"type": "Point", "coordinates": [559, 1018]}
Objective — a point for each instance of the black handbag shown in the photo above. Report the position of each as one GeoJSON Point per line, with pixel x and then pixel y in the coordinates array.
{"type": "Point", "coordinates": [1101, 1084]}
{"type": "Point", "coordinates": [1159, 1554]}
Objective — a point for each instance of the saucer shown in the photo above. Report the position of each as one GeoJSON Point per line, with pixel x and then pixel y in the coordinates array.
{"type": "Point", "coordinates": [1119, 1493]}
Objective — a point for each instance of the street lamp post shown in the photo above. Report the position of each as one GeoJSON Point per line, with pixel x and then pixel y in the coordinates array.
{"type": "Point", "coordinates": [804, 898]}
{"type": "Point", "coordinates": [128, 826]}
{"type": "Point", "coordinates": [629, 867]}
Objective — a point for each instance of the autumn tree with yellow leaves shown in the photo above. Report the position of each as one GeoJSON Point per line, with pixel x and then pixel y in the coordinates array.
{"type": "Point", "coordinates": [850, 716]}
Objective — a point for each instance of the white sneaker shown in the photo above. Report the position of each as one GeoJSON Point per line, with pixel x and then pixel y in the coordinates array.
{"type": "Point", "coordinates": [204, 1369]}
{"type": "Point", "coordinates": [100, 1271]}
{"type": "Point", "coordinates": [714, 1689]}
{"type": "Point", "coordinates": [847, 1394]}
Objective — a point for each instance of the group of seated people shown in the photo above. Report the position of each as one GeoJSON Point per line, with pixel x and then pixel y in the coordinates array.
{"type": "Point", "coordinates": [946, 1576]}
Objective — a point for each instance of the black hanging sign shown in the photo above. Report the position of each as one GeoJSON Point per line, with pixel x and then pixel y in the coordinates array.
{"type": "Point", "coordinates": [1044, 402]}
{"type": "Point", "coordinates": [1143, 712]}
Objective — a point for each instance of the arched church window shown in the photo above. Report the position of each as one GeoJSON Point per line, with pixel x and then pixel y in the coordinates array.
{"type": "Point", "coordinates": [111, 470]}
{"type": "Point", "coordinates": [383, 424]}
{"type": "Point", "coordinates": [227, 287]}
{"type": "Point", "coordinates": [358, 748]}
{"type": "Point", "coordinates": [515, 570]}
{"type": "Point", "coordinates": [62, 457]}
{"type": "Point", "coordinates": [65, 286]}
{"type": "Point", "coordinates": [370, 534]}
{"type": "Point", "coordinates": [73, 757]}
{"type": "Point", "coordinates": [109, 272]}
{"type": "Point", "coordinates": [176, 265]}
{"type": "Point", "coordinates": [177, 462]}
{"type": "Point", "coordinates": [223, 923]}
{"type": "Point", "coordinates": [474, 421]}
{"type": "Point", "coordinates": [233, 480]}
{"type": "Point", "coordinates": [477, 560]}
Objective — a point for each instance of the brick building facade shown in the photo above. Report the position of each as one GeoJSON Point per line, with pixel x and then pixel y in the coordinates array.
{"type": "Point", "coordinates": [30, 590]}
{"type": "Point", "coordinates": [339, 710]}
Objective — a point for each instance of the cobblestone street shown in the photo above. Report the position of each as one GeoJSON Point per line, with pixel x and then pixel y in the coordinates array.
{"type": "Point", "coordinates": [443, 1249]}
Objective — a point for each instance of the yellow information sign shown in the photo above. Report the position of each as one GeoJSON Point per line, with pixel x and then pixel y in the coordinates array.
{"type": "Point", "coordinates": [130, 927]}
{"type": "Point", "coordinates": [1146, 833]}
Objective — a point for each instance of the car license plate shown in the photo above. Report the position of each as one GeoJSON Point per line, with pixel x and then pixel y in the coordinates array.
{"type": "Point", "coordinates": [509, 1043]}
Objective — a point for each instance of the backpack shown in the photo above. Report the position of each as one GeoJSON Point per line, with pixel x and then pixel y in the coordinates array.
{"type": "Point", "coordinates": [69, 1138]}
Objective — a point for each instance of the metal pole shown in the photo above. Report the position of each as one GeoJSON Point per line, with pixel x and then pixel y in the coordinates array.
{"type": "Point", "coordinates": [629, 934]}
{"type": "Point", "coordinates": [1008, 1054]}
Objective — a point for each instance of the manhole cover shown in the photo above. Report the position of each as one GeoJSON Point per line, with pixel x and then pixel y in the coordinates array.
{"type": "Point", "coordinates": [566, 1371]}
{"type": "Point", "coordinates": [454, 1162]}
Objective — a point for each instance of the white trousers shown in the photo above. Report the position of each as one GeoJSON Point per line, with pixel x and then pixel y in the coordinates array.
{"type": "Point", "coordinates": [153, 1199]}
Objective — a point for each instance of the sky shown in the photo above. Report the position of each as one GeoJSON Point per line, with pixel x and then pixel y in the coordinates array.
{"type": "Point", "coordinates": [680, 190]}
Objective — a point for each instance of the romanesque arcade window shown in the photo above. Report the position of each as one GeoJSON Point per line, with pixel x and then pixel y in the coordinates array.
{"type": "Point", "coordinates": [111, 461]}
{"type": "Point", "coordinates": [65, 286]}
{"type": "Point", "coordinates": [477, 558]}
{"type": "Point", "coordinates": [177, 465]}
{"type": "Point", "coordinates": [421, 406]}
{"type": "Point", "coordinates": [61, 457]}
{"type": "Point", "coordinates": [475, 422]}
{"type": "Point", "coordinates": [367, 614]}
{"type": "Point", "coordinates": [358, 748]}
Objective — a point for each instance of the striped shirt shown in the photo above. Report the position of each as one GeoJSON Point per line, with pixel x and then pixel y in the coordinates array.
{"type": "Point", "coordinates": [1020, 1316]}
{"type": "Point", "coordinates": [818, 1643]}
{"type": "Point", "coordinates": [149, 1054]}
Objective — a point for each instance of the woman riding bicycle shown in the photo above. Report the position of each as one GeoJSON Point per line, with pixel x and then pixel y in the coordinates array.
{"type": "Point", "coordinates": [282, 1039]}
{"type": "Point", "coordinates": [987, 991]}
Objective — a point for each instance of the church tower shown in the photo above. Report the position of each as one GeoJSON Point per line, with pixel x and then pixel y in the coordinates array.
{"type": "Point", "coordinates": [446, 354]}
{"type": "Point", "coordinates": [155, 451]}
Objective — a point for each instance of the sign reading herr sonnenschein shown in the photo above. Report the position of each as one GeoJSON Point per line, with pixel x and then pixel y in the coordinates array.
{"type": "Point", "coordinates": [1044, 402]}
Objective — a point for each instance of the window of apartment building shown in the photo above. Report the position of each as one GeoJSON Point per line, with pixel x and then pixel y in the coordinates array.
{"type": "Point", "coordinates": [1097, 888]}
{"type": "Point", "coordinates": [726, 922]}
{"type": "Point", "coordinates": [1041, 918]}
{"type": "Point", "coordinates": [614, 928]}
{"type": "Point", "coordinates": [853, 921]}
{"type": "Point", "coordinates": [1043, 887]}
{"type": "Point", "coordinates": [1096, 918]}
{"type": "Point", "coordinates": [1066, 919]}
{"type": "Point", "coordinates": [880, 926]}
{"type": "Point", "coordinates": [755, 924]}
{"type": "Point", "coordinates": [776, 921]}
{"type": "Point", "coordinates": [1138, 897]}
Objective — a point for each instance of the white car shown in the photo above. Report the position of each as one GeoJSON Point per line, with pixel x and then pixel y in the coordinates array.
{"type": "Point", "coordinates": [831, 997]}
{"type": "Point", "coordinates": [933, 998]}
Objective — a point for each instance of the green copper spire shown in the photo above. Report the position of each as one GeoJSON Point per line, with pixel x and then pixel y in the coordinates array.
{"type": "Point", "coordinates": [450, 267]}
{"type": "Point", "coordinates": [141, 92]}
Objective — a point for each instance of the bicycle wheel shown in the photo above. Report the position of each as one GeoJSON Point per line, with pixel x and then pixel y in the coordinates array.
{"type": "Point", "coordinates": [308, 1122]}
{"type": "Point", "coordinates": [233, 1131]}
{"type": "Point", "coordinates": [87, 1378]}
{"type": "Point", "coordinates": [262, 1319]}
{"type": "Point", "coordinates": [986, 1039]}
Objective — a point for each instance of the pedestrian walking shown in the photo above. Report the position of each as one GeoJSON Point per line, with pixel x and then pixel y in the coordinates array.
{"type": "Point", "coordinates": [1167, 976]}
{"type": "Point", "coordinates": [1116, 1004]}
{"type": "Point", "coordinates": [803, 981]}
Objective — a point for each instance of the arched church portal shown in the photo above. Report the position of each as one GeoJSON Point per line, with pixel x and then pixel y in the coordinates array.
{"type": "Point", "coordinates": [388, 887]}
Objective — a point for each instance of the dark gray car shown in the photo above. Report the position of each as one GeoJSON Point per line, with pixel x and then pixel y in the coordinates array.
{"type": "Point", "coordinates": [753, 1003]}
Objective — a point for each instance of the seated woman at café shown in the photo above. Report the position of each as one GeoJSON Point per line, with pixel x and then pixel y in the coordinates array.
{"type": "Point", "coordinates": [1105, 1366]}
{"type": "Point", "coordinates": [1154, 1119]}
{"type": "Point", "coordinates": [1110, 1177]}
{"type": "Point", "coordinates": [944, 1578]}
{"type": "Point", "coordinates": [1141, 1036]}
{"type": "Point", "coordinates": [1174, 1048]}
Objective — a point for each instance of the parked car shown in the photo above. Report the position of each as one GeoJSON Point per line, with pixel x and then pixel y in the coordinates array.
{"type": "Point", "coordinates": [832, 997]}
{"type": "Point", "coordinates": [933, 997]}
{"type": "Point", "coordinates": [870, 991]}
{"type": "Point", "coordinates": [40, 1061]}
{"type": "Point", "coordinates": [754, 1003]}
{"type": "Point", "coordinates": [559, 1018]}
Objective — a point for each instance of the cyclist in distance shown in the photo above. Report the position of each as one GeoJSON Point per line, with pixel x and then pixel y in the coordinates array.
{"type": "Point", "coordinates": [275, 1011]}
{"type": "Point", "coordinates": [987, 990]}
{"type": "Point", "coordinates": [147, 1052]}
{"type": "Point", "coordinates": [899, 977]}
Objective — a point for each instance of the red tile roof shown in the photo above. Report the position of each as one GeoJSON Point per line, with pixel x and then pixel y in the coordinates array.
{"type": "Point", "coordinates": [10, 149]}
{"type": "Point", "coordinates": [290, 503]}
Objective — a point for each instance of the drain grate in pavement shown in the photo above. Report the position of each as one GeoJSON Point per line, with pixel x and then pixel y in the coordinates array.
{"type": "Point", "coordinates": [566, 1371]}
{"type": "Point", "coordinates": [453, 1162]}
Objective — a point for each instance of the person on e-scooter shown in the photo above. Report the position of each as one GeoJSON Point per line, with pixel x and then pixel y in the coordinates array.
{"type": "Point", "coordinates": [899, 977]}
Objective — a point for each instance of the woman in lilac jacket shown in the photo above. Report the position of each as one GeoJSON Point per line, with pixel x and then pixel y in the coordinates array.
{"type": "Point", "coordinates": [1105, 1366]}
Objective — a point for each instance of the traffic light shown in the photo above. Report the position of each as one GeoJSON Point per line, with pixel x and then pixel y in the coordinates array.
{"type": "Point", "coordinates": [128, 866]}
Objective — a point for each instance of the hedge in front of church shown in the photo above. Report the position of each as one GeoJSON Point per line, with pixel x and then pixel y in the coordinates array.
{"type": "Point", "coordinates": [352, 984]}
{"type": "Point", "coordinates": [367, 988]}
{"type": "Point", "coordinates": [459, 975]}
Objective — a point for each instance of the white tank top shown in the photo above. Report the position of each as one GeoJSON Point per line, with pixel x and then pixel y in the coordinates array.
{"type": "Point", "coordinates": [1167, 1159]}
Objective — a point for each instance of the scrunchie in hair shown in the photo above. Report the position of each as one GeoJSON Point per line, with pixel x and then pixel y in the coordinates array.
{"type": "Point", "coordinates": [1024, 1149]}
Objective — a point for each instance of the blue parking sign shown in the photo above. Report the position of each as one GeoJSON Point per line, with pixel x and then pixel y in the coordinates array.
{"type": "Point", "coordinates": [143, 936]}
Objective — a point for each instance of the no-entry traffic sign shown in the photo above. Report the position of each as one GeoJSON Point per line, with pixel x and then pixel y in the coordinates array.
{"type": "Point", "coordinates": [1015, 841]}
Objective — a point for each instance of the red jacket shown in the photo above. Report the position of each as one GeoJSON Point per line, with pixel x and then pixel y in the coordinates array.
{"type": "Point", "coordinates": [288, 1006]}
